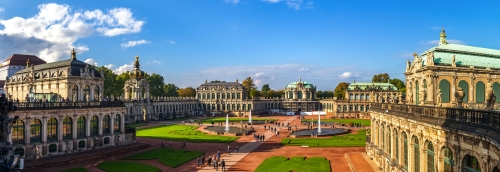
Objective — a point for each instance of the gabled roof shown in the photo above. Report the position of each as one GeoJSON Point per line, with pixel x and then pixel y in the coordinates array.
{"type": "Point", "coordinates": [75, 65]}
{"type": "Point", "coordinates": [20, 59]}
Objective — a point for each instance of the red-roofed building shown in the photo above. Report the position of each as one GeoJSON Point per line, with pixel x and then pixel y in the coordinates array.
{"type": "Point", "coordinates": [15, 63]}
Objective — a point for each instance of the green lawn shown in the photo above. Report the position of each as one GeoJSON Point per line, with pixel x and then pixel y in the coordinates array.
{"type": "Point", "coordinates": [168, 157]}
{"type": "Point", "coordinates": [126, 166]}
{"type": "Point", "coordinates": [185, 133]}
{"type": "Point", "coordinates": [348, 140]}
{"type": "Point", "coordinates": [364, 122]}
{"type": "Point", "coordinates": [81, 169]}
{"type": "Point", "coordinates": [233, 119]}
{"type": "Point", "coordinates": [297, 164]}
{"type": "Point", "coordinates": [135, 125]}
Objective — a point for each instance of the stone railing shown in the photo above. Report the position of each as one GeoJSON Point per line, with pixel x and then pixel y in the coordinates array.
{"type": "Point", "coordinates": [479, 122]}
{"type": "Point", "coordinates": [66, 105]}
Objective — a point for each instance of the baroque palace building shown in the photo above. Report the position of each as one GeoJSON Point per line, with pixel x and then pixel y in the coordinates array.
{"type": "Point", "coordinates": [299, 97]}
{"type": "Point", "coordinates": [450, 121]}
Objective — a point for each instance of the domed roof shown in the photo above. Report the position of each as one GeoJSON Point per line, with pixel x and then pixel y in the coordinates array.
{"type": "Point", "coordinates": [297, 84]}
{"type": "Point", "coordinates": [137, 73]}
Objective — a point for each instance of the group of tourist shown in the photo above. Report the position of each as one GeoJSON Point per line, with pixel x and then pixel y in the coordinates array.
{"type": "Point", "coordinates": [259, 137]}
{"type": "Point", "coordinates": [212, 160]}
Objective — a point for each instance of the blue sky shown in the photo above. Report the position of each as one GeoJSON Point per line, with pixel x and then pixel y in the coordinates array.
{"type": "Point", "coordinates": [273, 41]}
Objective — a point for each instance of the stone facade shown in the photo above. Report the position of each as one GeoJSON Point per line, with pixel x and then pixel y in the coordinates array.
{"type": "Point", "coordinates": [299, 97]}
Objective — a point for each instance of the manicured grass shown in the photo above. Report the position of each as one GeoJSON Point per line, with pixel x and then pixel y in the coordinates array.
{"type": "Point", "coordinates": [233, 119]}
{"type": "Point", "coordinates": [168, 157]}
{"type": "Point", "coordinates": [364, 122]}
{"type": "Point", "coordinates": [297, 164]}
{"type": "Point", "coordinates": [126, 166]}
{"type": "Point", "coordinates": [348, 140]}
{"type": "Point", "coordinates": [185, 133]}
{"type": "Point", "coordinates": [135, 125]}
{"type": "Point", "coordinates": [81, 169]}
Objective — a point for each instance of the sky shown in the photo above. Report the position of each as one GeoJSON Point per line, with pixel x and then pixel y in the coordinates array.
{"type": "Point", "coordinates": [273, 41]}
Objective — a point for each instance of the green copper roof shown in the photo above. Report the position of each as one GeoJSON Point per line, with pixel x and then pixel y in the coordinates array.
{"type": "Point", "coordinates": [364, 85]}
{"type": "Point", "coordinates": [465, 56]}
{"type": "Point", "coordinates": [294, 85]}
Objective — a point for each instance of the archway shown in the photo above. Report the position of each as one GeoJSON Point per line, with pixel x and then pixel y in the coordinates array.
{"type": "Point", "coordinates": [470, 164]}
{"type": "Point", "coordinates": [465, 87]}
{"type": "Point", "coordinates": [480, 92]}
{"type": "Point", "coordinates": [416, 154]}
{"type": "Point", "coordinates": [447, 163]}
{"type": "Point", "coordinates": [430, 156]}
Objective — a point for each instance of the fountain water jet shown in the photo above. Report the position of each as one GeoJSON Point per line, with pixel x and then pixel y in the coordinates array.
{"type": "Point", "coordinates": [227, 122]}
{"type": "Point", "coordinates": [319, 122]}
{"type": "Point", "coordinates": [250, 117]}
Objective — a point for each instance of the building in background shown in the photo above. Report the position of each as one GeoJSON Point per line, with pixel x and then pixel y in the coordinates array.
{"type": "Point", "coordinates": [15, 63]}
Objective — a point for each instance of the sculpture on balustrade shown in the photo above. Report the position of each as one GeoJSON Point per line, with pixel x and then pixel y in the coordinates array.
{"type": "Point", "coordinates": [74, 98]}
{"type": "Point", "coordinates": [459, 96]}
{"type": "Point", "coordinates": [439, 100]}
{"type": "Point", "coordinates": [8, 160]}
{"type": "Point", "coordinates": [490, 98]}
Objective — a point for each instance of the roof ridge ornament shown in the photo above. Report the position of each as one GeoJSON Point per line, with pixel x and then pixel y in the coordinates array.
{"type": "Point", "coordinates": [73, 54]}
{"type": "Point", "coordinates": [28, 63]}
{"type": "Point", "coordinates": [442, 37]}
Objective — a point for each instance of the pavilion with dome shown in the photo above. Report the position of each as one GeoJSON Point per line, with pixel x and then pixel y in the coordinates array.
{"type": "Point", "coordinates": [299, 97]}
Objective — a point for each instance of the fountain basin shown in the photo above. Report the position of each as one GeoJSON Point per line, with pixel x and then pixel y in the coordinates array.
{"type": "Point", "coordinates": [233, 131]}
{"type": "Point", "coordinates": [324, 132]}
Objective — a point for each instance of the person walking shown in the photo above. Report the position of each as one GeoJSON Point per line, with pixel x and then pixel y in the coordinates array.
{"type": "Point", "coordinates": [218, 155]}
{"type": "Point", "coordinates": [198, 161]}
{"type": "Point", "coordinates": [237, 149]}
{"type": "Point", "coordinates": [229, 150]}
{"type": "Point", "coordinates": [162, 144]}
{"type": "Point", "coordinates": [203, 160]}
{"type": "Point", "coordinates": [223, 165]}
{"type": "Point", "coordinates": [215, 164]}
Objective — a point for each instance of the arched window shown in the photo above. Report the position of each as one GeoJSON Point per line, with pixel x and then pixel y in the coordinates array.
{"type": "Point", "coordinates": [430, 157]}
{"type": "Point", "coordinates": [351, 97]}
{"type": "Point", "coordinates": [496, 91]}
{"type": "Point", "coordinates": [367, 97]}
{"type": "Point", "coordinates": [18, 132]}
{"type": "Point", "coordinates": [199, 96]}
{"type": "Point", "coordinates": [345, 108]}
{"type": "Point", "coordinates": [223, 95]}
{"type": "Point", "coordinates": [204, 96]}
{"type": "Point", "coordinates": [362, 97]}
{"type": "Point", "coordinates": [238, 96]}
{"type": "Point", "coordinates": [80, 127]}
{"type": "Point", "coordinates": [350, 108]}
{"type": "Point", "coordinates": [218, 96]}
{"type": "Point", "coordinates": [94, 126]}
{"type": "Point", "coordinates": [356, 108]}
{"type": "Point", "coordinates": [36, 131]}
{"type": "Point", "coordinates": [67, 128]}
{"type": "Point", "coordinates": [396, 140]}
{"type": "Point", "coordinates": [444, 85]}
{"type": "Point", "coordinates": [52, 129]}
{"type": "Point", "coordinates": [233, 96]}
{"type": "Point", "coordinates": [75, 92]}
{"type": "Point", "coordinates": [228, 106]}
{"type": "Point", "coordinates": [447, 159]}
{"type": "Point", "coordinates": [465, 87]}
{"type": "Point", "coordinates": [238, 107]}
{"type": "Point", "coordinates": [356, 97]}
{"type": "Point", "coordinates": [106, 122]}
{"type": "Point", "coordinates": [213, 95]}
{"type": "Point", "coordinates": [405, 151]}
{"type": "Point", "coordinates": [86, 93]}
{"type": "Point", "coordinates": [339, 108]}
{"type": "Point", "coordinates": [417, 91]}
{"type": "Point", "coordinates": [416, 154]}
{"type": "Point", "coordinates": [96, 93]}
{"type": "Point", "coordinates": [367, 108]}
{"type": "Point", "coordinates": [244, 107]}
{"type": "Point", "coordinates": [299, 95]}
{"type": "Point", "coordinates": [425, 89]}
{"type": "Point", "coordinates": [362, 107]}
{"type": "Point", "coordinates": [471, 164]}
{"type": "Point", "coordinates": [480, 92]}
{"type": "Point", "coordinates": [308, 95]}
{"type": "Point", "coordinates": [218, 106]}
{"type": "Point", "coordinates": [389, 141]}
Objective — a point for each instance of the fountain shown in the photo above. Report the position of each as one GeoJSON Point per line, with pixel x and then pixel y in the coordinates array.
{"type": "Point", "coordinates": [319, 122]}
{"type": "Point", "coordinates": [8, 161]}
{"type": "Point", "coordinates": [227, 122]}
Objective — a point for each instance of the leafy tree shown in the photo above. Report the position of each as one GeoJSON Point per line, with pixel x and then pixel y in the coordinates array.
{"type": "Point", "coordinates": [265, 88]}
{"type": "Point", "coordinates": [109, 81]}
{"type": "Point", "coordinates": [254, 93]}
{"type": "Point", "coordinates": [187, 92]}
{"type": "Point", "coordinates": [381, 78]}
{"type": "Point", "coordinates": [339, 91]}
{"type": "Point", "coordinates": [171, 90]}
{"type": "Point", "coordinates": [248, 84]}
{"type": "Point", "coordinates": [120, 83]}
{"type": "Point", "coordinates": [327, 94]}
{"type": "Point", "coordinates": [399, 84]}
{"type": "Point", "coordinates": [319, 94]}
{"type": "Point", "coordinates": [156, 83]}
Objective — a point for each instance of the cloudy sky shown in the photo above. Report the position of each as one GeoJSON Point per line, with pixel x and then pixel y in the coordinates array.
{"type": "Point", "coordinates": [273, 41]}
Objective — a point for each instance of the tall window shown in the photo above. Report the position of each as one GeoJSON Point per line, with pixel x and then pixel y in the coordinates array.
{"type": "Point", "coordinates": [80, 127]}
{"type": "Point", "coordinates": [218, 95]}
{"type": "Point", "coordinates": [233, 96]}
{"type": "Point", "coordinates": [480, 92]}
{"type": "Point", "coordinates": [117, 124]}
{"type": "Point", "coordinates": [299, 95]}
{"type": "Point", "coordinates": [389, 144]}
{"type": "Point", "coordinates": [213, 95]}
{"type": "Point", "coordinates": [36, 131]}
{"type": "Point", "coordinates": [86, 93]}
{"type": "Point", "coordinates": [444, 85]}
{"type": "Point", "coordinates": [18, 132]}
{"type": "Point", "coordinates": [67, 128]}
{"type": "Point", "coordinates": [223, 95]}
{"type": "Point", "coordinates": [397, 144]}
{"type": "Point", "coordinates": [471, 164]}
{"type": "Point", "coordinates": [244, 107]}
{"type": "Point", "coordinates": [96, 93]}
{"type": "Point", "coordinates": [94, 126]}
{"type": "Point", "coordinates": [405, 150]}
{"type": "Point", "coordinates": [447, 160]}
{"type": "Point", "coordinates": [238, 96]}
{"type": "Point", "coordinates": [228, 106]}
{"type": "Point", "coordinates": [52, 129]}
{"type": "Point", "coordinates": [75, 92]}
{"type": "Point", "coordinates": [416, 155]}
{"type": "Point", "coordinates": [367, 97]}
{"type": "Point", "coordinates": [105, 124]}
{"type": "Point", "coordinates": [430, 157]}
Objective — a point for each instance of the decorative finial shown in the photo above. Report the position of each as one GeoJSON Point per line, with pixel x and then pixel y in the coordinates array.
{"type": "Point", "coordinates": [136, 63]}
{"type": "Point", "coordinates": [237, 80]}
{"type": "Point", "coordinates": [28, 64]}
{"type": "Point", "coordinates": [206, 81]}
{"type": "Point", "coordinates": [300, 80]}
{"type": "Point", "coordinates": [442, 37]}
{"type": "Point", "coordinates": [73, 54]}
{"type": "Point", "coordinates": [354, 81]}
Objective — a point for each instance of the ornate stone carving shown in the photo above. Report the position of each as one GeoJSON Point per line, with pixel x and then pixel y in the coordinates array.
{"type": "Point", "coordinates": [430, 59]}
{"type": "Point", "coordinates": [438, 102]}
{"type": "Point", "coordinates": [490, 97]}
{"type": "Point", "coordinates": [423, 96]}
{"type": "Point", "coordinates": [459, 96]}
{"type": "Point", "coordinates": [453, 63]}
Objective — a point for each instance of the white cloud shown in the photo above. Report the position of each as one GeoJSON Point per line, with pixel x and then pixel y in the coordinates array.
{"type": "Point", "coordinates": [345, 75]}
{"type": "Point", "coordinates": [232, 1]}
{"type": "Point", "coordinates": [451, 41]}
{"type": "Point", "coordinates": [154, 62]}
{"type": "Point", "coordinates": [134, 43]}
{"type": "Point", "coordinates": [52, 32]}
{"type": "Point", "coordinates": [261, 78]}
{"type": "Point", "coordinates": [272, 1]}
{"type": "Point", "coordinates": [91, 61]}
{"type": "Point", "coordinates": [109, 66]}
{"type": "Point", "coordinates": [295, 4]}
{"type": "Point", "coordinates": [171, 42]}
{"type": "Point", "coordinates": [1, 9]}
{"type": "Point", "coordinates": [310, 5]}
{"type": "Point", "coordinates": [123, 69]}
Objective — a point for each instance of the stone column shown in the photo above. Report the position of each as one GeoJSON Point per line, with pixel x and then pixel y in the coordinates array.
{"type": "Point", "coordinates": [27, 127]}
{"type": "Point", "coordinates": [294, 94]}
{"type": "Point", "coordinates": [100, 123]}
{"type": "Point", "coordinates": [471, 96]}
{"type": "Point", "coordinates": [74, 127]}
{"type": "Point", "coordinates": [454, 85]}
{"type": "Point", "coordinates": [122, 124]}
{"type": "Point", "coordinates": [91, 96]}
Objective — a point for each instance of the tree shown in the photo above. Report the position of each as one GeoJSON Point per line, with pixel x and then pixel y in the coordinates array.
{"type": "Point", "coordinates": [339, 91]}
{"type": "Point", "coordinates": [248, 84]}
{"type": "Point", "coordinates": [265, 88]}
{"type": "Point", "coordinates": [120, 83]}
{"type": "Point", "coordinates": [171, 90]}
{"type": "Point", "coordinates": [156, 83]}
{"type": "Point", "coordinates": [187, 92]}
{"type": "Point", "coordinates": [319, 94]}
{"type": "Point", "coordinates": [109, 82]}
{"type": "Point", "coordinates": [327, 94]}
{"type": "Point", "coordinates": [381, 78]}
{"type": "Point", "coordinates": [399, 84]}
{"type": "Point", "coordinates": [254, 93]}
